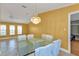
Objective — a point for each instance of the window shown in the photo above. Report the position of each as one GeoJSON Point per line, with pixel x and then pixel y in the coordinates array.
{"type": "Point", "coordinates": [12, 30]}
{"type": "Point", "coordinates": [2, 30]}
{"type": "Point", "coordinates": [19, 29]}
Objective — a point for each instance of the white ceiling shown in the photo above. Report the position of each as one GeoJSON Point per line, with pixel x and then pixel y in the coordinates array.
{"type": "Point", "coordinates": [12, 12]}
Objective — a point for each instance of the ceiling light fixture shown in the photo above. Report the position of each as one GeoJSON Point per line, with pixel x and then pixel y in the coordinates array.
{"type": "Point", "coordinates": [35, 19]}
{"type": "Point", "coordinates": [24, 6]}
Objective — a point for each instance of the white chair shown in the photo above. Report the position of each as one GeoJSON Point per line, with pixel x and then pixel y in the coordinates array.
{"type": "Point", "coordinates": [21, 37]}
{"type": "Point", "coordinates": [52, 49]}
{"type": "Point", "coordinates": [47, 37]}
{"type": "Point", "coordinates": [30, 36]}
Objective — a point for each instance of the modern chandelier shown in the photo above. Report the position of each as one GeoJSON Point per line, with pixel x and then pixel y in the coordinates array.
{"type": "Point", "coordinates": [35, 19]}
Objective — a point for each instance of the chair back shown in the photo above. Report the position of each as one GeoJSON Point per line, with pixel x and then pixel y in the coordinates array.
{"type": "Point", "coordinates": [47, 37]}
{"type": "Point", "coordinates": [30, 36]}
{"type": "Point", "coordinates": [21, 37]}
{"type": "Point", "coordinates": [56, 47]}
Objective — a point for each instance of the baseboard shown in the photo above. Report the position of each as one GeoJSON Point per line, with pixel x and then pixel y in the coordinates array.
{"type": "Point", "coordinates": [62, 49]}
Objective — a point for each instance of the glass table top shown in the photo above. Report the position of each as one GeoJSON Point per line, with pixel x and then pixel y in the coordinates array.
{"type": "Point", "coordinates": [28, 46]}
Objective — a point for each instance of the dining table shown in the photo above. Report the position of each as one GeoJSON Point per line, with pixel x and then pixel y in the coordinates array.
{"type": "Point", "coordinates": [26, 47]}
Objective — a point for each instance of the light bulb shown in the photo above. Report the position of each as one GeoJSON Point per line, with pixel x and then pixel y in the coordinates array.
{"type": "Point", "coordinates": [35, 20]}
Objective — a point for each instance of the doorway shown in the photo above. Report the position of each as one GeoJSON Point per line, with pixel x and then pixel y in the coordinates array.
{"type": "Point", "coordinates": [73, 33]}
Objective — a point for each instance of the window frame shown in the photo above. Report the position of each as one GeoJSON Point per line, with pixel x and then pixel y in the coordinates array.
{"type": "Point", "coordinates": [3, 31]}
{"type": "Point", "coordinates": [20, 31]}
{"type": "Point", "coordinates": [10, 33]}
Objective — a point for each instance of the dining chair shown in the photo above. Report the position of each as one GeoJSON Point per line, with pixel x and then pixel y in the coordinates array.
{"type": "Point", "coordinates": [52, 49]}
{"type": "Point", "coordinates": [30, 36]}
{"type": "Point", "coordinates": [21, 37]}
{"type": "Point", "coordinates": [46, 36]}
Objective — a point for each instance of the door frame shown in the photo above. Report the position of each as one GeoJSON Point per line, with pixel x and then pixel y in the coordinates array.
{"type": "Point", "coordinates": [69, 29]}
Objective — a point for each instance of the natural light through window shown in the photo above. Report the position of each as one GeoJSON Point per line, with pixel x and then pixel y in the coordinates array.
{"type": "Point", "coordinates": [12, 29]}
{"type": "Point", "coordinates": [19, 29]}
{"type": "Point", "coordinates": [2, 30]}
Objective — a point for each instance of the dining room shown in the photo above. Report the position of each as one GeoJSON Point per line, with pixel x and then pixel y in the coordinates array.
{"type": "Point", "coordinates": [35, 29]}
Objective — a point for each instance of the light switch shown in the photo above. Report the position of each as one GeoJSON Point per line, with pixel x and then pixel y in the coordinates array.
{"type": "Point", "coordinates": [64, 29]}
